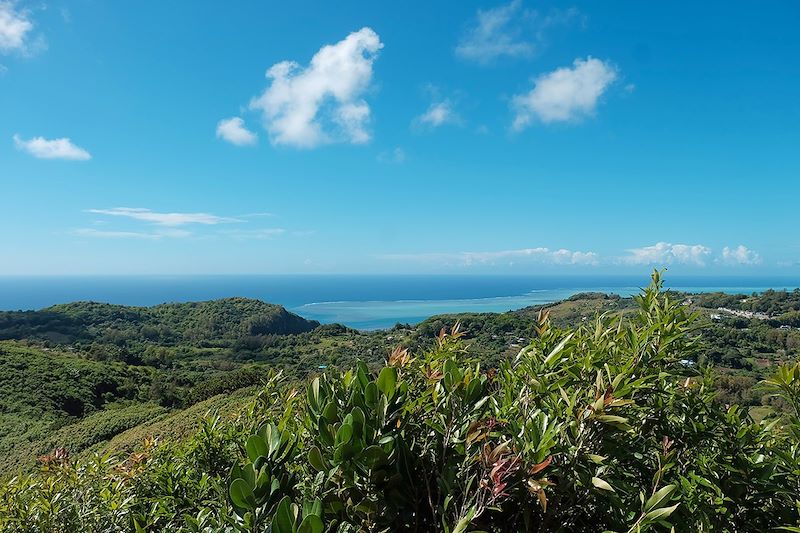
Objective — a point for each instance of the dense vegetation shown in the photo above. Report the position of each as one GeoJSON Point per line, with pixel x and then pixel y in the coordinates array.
{"type": "Point", "coordinates": [603, 426]}
{"type": "Point", "coordinates": [79, 374]}
{"type": "Point", "coordinates": [139, 364]}
{"type": "Point", "coordinates": [153, 335]}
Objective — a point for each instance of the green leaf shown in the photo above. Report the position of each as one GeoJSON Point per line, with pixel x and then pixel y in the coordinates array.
{"type": "Point", "coordinates": [256, 447]}
{"type": "Point", "coordinates": [613, 419]}
{"type": "Point", "coordinates": [602, 484]}
{"type": "Point", "coordinates": [312, 507]}
{"type": "Point", "coordinates": [314, 396]}
{"type": "Point", "coordinates": [371, 394]}
{"type": "Point", "coordinates": [361, 373]}
{"type": "Point", "coordinates": [663, 512]}
{"type": "Point", "coordinates": [311, 524]}
{"type": "Point", "coordinates": [283, 521]}
{"type": "Point", "coordinates": [659, 497]}
{"type": "Point", "coordinates": [242, 495]}
{"type": "Point", "coordinates": [345, 434]}
{"type": "Point", "coordinates": [552, 355]}
{"type": "Point", "coordinates": [462, 525]}
{"type": "Point", "coordinates": [387, 381]}
{"type": "Point", "coordinates": [315, 459]}
{"type": "Point", "coordinates": [324, 432]}
{"type": "Point", "coordinates": [373, 455]}
{"type": "Point", "coordinates": [330, 413]}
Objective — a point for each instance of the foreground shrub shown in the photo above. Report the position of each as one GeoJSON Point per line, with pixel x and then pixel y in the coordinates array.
{"type": "Point", "coordinates": [602, 428]}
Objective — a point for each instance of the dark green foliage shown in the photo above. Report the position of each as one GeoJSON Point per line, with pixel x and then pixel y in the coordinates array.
{"type": "Point", "coordinates": [41, 391]}
{"type": "Point", "coordinates": [213, 323]}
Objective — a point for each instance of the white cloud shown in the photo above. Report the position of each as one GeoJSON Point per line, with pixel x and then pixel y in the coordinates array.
{"type": "Point", "coordinates": [539, 255]}
{"type": "Point", "coordinates": [90, 232]}
{"type": "Point", "coordinates": [664, 253]}
{"type": "Point", "coordinates": [741, 255]}
{"type": "Point", "coordinates": [321, 103]}
{"type": "Point", "coordinates": [234, 131]}
{"type": "Point", "coordinates": [566, 94]}
{"type": "Point", "coordinates": [163, 219]}
{"type": "Point", "coordinates": [42, 148]}
{"type": "Point", "coordinates": [438, 114]}
{"type": "Point", "coordinates": [15, 28]}
{"type": "Point", "coordinates": [508, 30]}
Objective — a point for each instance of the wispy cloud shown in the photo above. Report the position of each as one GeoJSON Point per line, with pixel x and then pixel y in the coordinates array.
{"type": "Point", "coordinates": [163, 219]}
{"type": "Point", "coordinates": [42, 148]}
{"type": "Point", "coordinates": [509, 30]}
{"type": "Point", "coordinates": [564, 95]}
{"type": "Point", "coordinates": [664, 253]}
{"type": "Point", "coordinates": [257, 215]}
{"type": "Point", "coordinates": [91, 232]}
{"type": "Point", "coordinates": [740, 255]}
{"type": "Point", "coordinates": [323, 102]}
{"type": "Point", "coordinates": [396, 156]}
{"type": "Point", "coordinates": [540, 255]}
{"type": "Point", "coordinates": [258, 234]}
{"type": "Point", "coordinates": [234, 131]}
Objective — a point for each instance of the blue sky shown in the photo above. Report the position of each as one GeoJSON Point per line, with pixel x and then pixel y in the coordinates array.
{"type": "Point", "coordinates": [418, 137]}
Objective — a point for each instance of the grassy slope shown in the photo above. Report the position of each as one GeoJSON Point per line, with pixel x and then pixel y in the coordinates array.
{"type": "Point", "coordinates": [42, 391]}
{"type": "Point", "coordinates": [179, 424]}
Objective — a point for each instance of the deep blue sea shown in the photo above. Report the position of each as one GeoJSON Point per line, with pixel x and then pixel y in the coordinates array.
{"type": "Point", "coordinates": [364, 302]}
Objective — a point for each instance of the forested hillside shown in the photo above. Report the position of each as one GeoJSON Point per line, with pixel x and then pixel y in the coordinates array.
{"type": "Point", "coordinates": [78, 374]}
{"type": "Point", "coordinates": [213, 323]}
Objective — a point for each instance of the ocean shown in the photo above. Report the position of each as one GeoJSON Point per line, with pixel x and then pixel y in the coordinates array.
{"type": "Point", "coordinates": [363, 302]}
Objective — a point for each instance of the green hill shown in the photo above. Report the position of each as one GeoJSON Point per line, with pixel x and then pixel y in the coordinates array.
{"type": "Point", "coordinates": [196, 323]}
{"type": "Point", "coordinates": [78, 374]}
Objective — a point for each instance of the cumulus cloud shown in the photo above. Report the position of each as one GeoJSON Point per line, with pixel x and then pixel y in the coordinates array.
{"type": "Point", "coordinates": [564, 95]}
{"type": "Point", "coordinates": [438, 114]}
{"type": "Point", "coordinates": [538, 255]}
{"type": "Point", "coordinates": [509, 30]}
{"type": "Point", "coordinates": [42, 148]}
{"type": "Point", "coordinates": [741, 255]}
{"type": "Point", "coordinates": [163, 219]}
{"type": "Point", "coordinates": [664, 253]}
{"type": "Point", "coordinates": [15, 28]}
{"type": "Point", "coordinates": [324, 102]}
{"type": "Point", "coordinates": [234, 131]}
